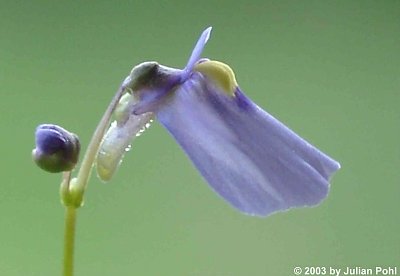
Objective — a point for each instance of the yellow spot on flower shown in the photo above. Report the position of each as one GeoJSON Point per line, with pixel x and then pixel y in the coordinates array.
{"type": "Point", "coordinates": [220, 73]}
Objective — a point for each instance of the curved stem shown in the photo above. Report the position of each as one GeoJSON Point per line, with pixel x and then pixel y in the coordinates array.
{"type": "Point", "coordinates": [93, 147]}
{"type": "Point", "coordinates": [64, 188]}
{"type": "Point", "coordinates": [72, 190]}
{"type": "Point", "coordinates": [69, 240]}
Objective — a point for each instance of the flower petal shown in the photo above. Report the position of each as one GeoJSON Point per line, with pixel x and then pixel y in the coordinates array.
{"type": "Point", "coordinates": [196, 53]}
{"type": "Point", "coordinates": [247, 156]}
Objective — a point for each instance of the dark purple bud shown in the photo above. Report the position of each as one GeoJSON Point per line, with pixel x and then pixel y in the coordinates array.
{"type": "Point", "coordinates": [57, 149]}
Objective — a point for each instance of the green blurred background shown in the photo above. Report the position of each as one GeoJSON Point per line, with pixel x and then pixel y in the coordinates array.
{"type": "Point", "coordinates": [328, 69]}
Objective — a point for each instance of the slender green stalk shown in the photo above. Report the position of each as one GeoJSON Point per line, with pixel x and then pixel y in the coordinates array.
{"type": "Point", "coordinates": [93, 147]}
{"type": "Point", "coordinates": [72, 190]}
{"type": "Point", "coordinates": [69, 240]}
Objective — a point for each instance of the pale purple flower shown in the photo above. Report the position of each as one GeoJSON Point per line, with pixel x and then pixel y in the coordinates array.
{"type": "Point", "coordinates": [247, 156]}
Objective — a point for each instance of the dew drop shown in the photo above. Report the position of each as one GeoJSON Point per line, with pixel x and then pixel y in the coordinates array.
{"type": "Point", "coordinates": [128, 148]}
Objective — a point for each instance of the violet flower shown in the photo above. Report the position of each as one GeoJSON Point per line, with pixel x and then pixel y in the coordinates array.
{"type": "Point", "coordinates": [248, 157]}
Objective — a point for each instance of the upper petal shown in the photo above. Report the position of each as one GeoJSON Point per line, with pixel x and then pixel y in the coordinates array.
{"type": "Point", "coordinates": [196, 53]}
{"type": "Point", "coordinates": [152, 82]}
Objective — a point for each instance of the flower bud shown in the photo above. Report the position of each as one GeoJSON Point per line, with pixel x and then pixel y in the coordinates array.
{"type": "Point", "coordinates": [57, 149]}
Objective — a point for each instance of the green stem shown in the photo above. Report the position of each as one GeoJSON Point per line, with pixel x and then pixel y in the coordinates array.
{"type": "Point", "coordinates": [72, 191]}
{"type": "Point", "coordinates": [80, 185]}
{"type": "Point", "coordinates": [69, 240]}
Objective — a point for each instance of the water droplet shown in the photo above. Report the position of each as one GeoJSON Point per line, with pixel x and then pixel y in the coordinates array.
{"type": "Point", "coordinates": [128, 148]}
